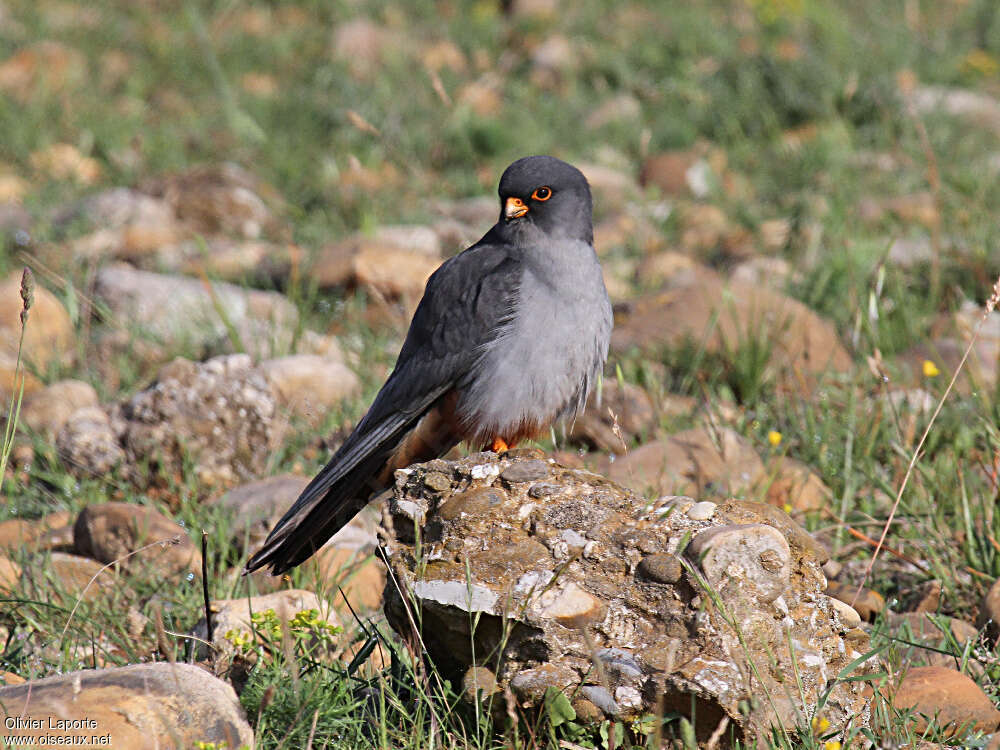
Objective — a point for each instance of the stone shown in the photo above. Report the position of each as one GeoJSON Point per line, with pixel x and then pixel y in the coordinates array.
{"type": "Point", "coordinates": [117, 531]}
{"type": "Point", "coordinates": [620, 108]}
{"type": "Point", "coordinates": [87, 443]}
{"type": "Point", "coordinates": [990, 615]}
{"type": "Point", "coordinates": [940, 635]}
{"type": "Point", "coordinates": [978, 107]}
{"type": "Point", "coordinates": [478, 683]}
{"type": "Point", "coordinates": [217, 415]}
{"type": "Point", "coordinates": [580, 588]}
{"type": "Point", "coordinates": [19, 533]}
{"type": "Point", "coordinates": [762, 270]}
{"type": "Point", "coordinates": [868, 603]}
{"type": "Point", "coordinates": [140, 705]}
{"type": "Point", "coordinates": [617, 414]}
{"type": "Point", "coordinates": [49, 338]}
{"type": "Point", "coordinates": [848, 615]}
{"type": "Point", "coordinates": [363, 46]}
{"type": "Point", "coordinates": [721, 316]}
{"type": "Point", "coordinates": [182, 312]}
{"type": "Point", "coordinates": [47, 411]}
{"type": "Point", "coordinates": [307, 386]}
{"type": "Point", "coordinates": [748, 559]}
{"type": "Point", "coordinates": [702, 511]}
{"type": "Point", "coordinates": [956, 703]}
{"type": "Point", "coordinates": [691, 462]}
{"type": "Point", "coordinates": [221, 199]}
{"type": "Point", "coordinates": [43, 67]}
{"type": "Point", "coordinates": [64, 161]}
{"type": "Point", "coordinates": [355, 576]}
{"type": "Point", "coordinates": [792, 484]}
{"type": "Point", "coordinates": [231, 620]}
{"type": "Point", "coordinates": [395, 261]}
{"type": "Point", "coordinates": [62, 577]}
{"type": "Point", "coordinates": [256, 506]}
{"type": "Point", "coordinates": [10, 573]}
{"type": "Point", "coordinates": [671, 172]}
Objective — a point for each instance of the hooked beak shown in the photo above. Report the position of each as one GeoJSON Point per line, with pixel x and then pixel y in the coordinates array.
{"type": "Point", "coordinates": [514, 208]}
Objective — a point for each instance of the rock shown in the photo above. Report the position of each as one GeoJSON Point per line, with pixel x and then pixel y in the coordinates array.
{"type": "Point", "coordinates": [218, 416]}
{"type": "Point", "coordinates": [691, 462]}
{"type": "Point", "coordinates": [307, 386]}
{"type": "Point", "coordinates": [221, 199]}
{"type": "Point", "coordinates": [868, 603]}
{"type": "Point", "coordinates": [669, 265]}
{"type": "Point", "coordinates": [62, 577]}
{"type": "Point", "coordinates": [702, 511]}
{"type": "Point", "coordinates": [64, 161]}
{"type": "Point", "coordinates": [395, 261]}
{"type": "Point", "coordinates": [674, 173]}
{"type": "Point", "coordinates": [579, 588]}
{"type": "Point", "coordinates": [621, 108]}
{"type": "Point", "coordinates": [87, 444]}
{"type": "Point", "coordinates": [613, 188]}
{"type": "Point", "coordinates": [763, 270]}
{"type": "Point", "coordinates": [363, 46]}
{"type": "Point", "coordinates": [18, 533]}
{"type": "Point", "coordinates": [140, 705]}
{"type": "Point", "coordinates": [10, 573]}
{"type": "Point", "coordinates": [940, 635]}
{"type": "Point", "coordinates": [478, 683]}
{"type": "Point", "coordinates": [231, 621]}
{"type": "Point", "coordinates": [47, 411]}
{"type": "Point", "coordinates": [955, 701]}
{"type": "Point", "coordinates": [114, 531]}
{"type": "Point", "coordinates": [358, 573]}
{"type": "Point", "coordinates": [721, 317]}
{"type": "Point", "coordinates": [626, 408]}
{"type": "Point", "coordinates": [182, 312]}
{"type": "Point", "coordinates": [978, 107]}
{"type": "Point", "coordinates": [49, 338]}
{"type": "Point", "coordinates": [128, 223]}
{"type": "Point", "coordinates": [256, 507]}
{"type": "Point", "coordinates": [43, 67]}
{"type": "Point", "coordinates": [792, 484]}
{"type": "Point", "coordinates": [848, 615]}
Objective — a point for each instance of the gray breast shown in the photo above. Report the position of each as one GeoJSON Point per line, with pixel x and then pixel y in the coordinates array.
{"type": "Point", "coordinates": [547, 359]}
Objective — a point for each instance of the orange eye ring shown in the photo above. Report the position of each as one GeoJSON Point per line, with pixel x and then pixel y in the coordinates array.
{"type": "Point", "coordinates": [542, 194]}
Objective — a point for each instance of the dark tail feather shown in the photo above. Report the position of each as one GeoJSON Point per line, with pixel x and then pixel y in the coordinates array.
{"type": "Point", "coordinates": [326, 505]}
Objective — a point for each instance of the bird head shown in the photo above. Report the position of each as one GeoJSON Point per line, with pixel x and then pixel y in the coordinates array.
{"type": "Point", "coordinates": [542, 194]}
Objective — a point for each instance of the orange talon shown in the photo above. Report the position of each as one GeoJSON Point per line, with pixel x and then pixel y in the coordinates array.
{"type": "Point", "coordinates": [499, 446]}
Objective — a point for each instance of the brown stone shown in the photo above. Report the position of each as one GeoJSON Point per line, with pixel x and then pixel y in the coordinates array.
{"type": "Point", "coordinates": [141, 705]}
{"type": "Point", "coordinates": [18, 533]}
{"type": "Point", "coordinates": [43, 67]}
{"type": "Point", "coordinates": [64, 577]}
{"type": "Point", "coordinates": [952, 699]}
{"type": "Point", "coordinates": [308, 386]}
{"type": "Point", "coordinates": [668, 171]}
{"type": "Point", "coordinates": [357, 575]}
{"type": "Point", "coordinates": [623, 414]}
{"type": "Point", "coordinates": [10, 574]}
{"type": "Point", "coordinates": [692, 462]}
{"type": "Point", "coordinates": [720, 317]}
{"type": "Point", "coordinates": [48, 410]}
{"type": "Point", "coordinates": [793, 485]}
{"type": "Point", "coordinates": [49, 338]}
{"type": "Point", "coordinates": [114, 531]}
{"type": "Point", "coordinates": [868, 603]}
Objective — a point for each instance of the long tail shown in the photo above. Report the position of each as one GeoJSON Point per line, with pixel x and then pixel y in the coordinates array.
{"type": "Point", "coordinates": [344, 486]}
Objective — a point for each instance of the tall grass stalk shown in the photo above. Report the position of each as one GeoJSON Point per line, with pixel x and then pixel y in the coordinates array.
{"type": "Point", "coordinates": [17, 395]}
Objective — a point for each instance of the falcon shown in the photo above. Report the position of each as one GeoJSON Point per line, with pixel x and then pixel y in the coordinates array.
{"type": "Point", "coordinates": [510, 336]}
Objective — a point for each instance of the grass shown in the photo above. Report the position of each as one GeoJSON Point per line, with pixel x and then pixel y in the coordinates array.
{"type": "Point", "coordinates": [803, 99]}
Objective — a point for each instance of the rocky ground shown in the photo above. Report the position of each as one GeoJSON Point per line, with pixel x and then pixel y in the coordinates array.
{"type": "Point", "coordinates": [230, 214]}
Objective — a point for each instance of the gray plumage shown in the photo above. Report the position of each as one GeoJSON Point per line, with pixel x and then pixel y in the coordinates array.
{"type": "Point", "coordinates": [510, 335]}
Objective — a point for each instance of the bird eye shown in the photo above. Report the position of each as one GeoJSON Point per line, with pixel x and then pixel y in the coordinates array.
{"type": "Point", "coordinates": [542, 194]}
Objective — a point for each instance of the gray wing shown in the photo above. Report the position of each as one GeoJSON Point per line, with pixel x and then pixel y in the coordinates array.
{"type": "Point", "coordinates": [466, 301]}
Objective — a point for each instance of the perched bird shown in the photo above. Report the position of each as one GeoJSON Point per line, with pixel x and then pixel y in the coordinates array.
{"type": "Point", "coordinates": [510, 336]}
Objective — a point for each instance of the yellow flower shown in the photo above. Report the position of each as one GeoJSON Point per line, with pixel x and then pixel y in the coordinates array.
{"type": "Point", "coordinates": [982, 62]}
{"type": "Point", "coordinates": [820, 724]}
{"type": "Point", "coordinates": [832, 745]}
{"type": "Point", "coordinates": [774, 438]}
{"type": "Point", "coordinates": [930, 369]}
{"type": "Point", "coordinates": [788, 509]}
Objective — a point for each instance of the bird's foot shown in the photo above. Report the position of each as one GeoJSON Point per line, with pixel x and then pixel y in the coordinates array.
{"type": "Point", "coordinates": [499, 446]}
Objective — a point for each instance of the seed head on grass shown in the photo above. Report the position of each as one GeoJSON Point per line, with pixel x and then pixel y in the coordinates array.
{"type": "Point", "coordinates": [27, 293]}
